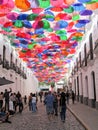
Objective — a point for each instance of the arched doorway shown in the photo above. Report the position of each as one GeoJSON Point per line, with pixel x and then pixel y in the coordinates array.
{"type": "Point", "coordinates": [94, 86]}
{"type": "Point", "coordinates": [86, 89]}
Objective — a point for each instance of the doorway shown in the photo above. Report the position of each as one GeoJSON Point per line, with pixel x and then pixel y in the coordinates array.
{"type": "Point", "coordinates": [93, 85]}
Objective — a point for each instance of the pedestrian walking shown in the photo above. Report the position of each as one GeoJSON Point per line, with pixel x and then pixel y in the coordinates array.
{"type": "Point", "coordinates": [40, 95]}
{"type": "Point", "coordinates": [34, 103]}
{"type": "Point", "coordinates": [63, 106]}
{"type": "Point", "coordinates": [25, 99]}
{"type": "Point", "coordinates": [55, 104]}
{"type": "Point", "coordinates": [20, 105]}
{"type": "Point", "coordinates": [30, 102]}
{"type": "Point", "coordinates": [49, 100]}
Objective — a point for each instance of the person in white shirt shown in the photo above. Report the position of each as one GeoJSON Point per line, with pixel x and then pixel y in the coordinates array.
{"type": "Point", "coordinates": [34, 103]}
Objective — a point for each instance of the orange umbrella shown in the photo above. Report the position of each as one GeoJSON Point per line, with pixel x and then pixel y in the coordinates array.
{"type": "Point", "coordinates": [92, 6]}
{"type": "Point", "coordinates": [22, 4]}
{"type": "Point", "coordinates": [69, 2]}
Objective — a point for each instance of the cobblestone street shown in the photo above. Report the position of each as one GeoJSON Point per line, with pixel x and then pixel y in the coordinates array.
{"type": "Point", "coordinates": [39, 121]}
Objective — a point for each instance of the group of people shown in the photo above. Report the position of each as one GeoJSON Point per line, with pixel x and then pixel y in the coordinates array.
{"type": "Point", "coordinates": [9, 102]}
{"type": "Point", "coordinates": [56, 103]}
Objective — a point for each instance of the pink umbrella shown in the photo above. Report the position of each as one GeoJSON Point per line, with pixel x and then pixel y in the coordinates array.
{"type": "Point", "coordinates": [3, 20]}
{"type": "Point", "coordinates": [12, 16]}
{"type": "Point", "coordinates": [37, 10]}
{"type": "Point", "coordinates": [2, 2]}
{"type": "Point", "coordinates": [6, 8]}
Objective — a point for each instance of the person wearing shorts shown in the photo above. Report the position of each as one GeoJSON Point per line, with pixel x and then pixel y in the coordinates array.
{"type": "Point", "coordinates": [49, 100]}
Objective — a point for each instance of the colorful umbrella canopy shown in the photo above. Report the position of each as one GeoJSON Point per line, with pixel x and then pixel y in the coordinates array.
{"type": "Point", "coordinates": [45, 33]}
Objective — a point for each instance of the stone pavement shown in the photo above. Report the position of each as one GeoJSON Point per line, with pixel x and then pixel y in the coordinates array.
{"type": "Point", "coordinates": [86, 115]}
{"type": "Point", "coordinates": [39, 121]}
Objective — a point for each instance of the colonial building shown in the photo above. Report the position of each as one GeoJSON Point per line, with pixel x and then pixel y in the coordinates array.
{"type": "Point", "coordinates": [84, 74]}
{"type": "Point", "coordinates": [14, 69]}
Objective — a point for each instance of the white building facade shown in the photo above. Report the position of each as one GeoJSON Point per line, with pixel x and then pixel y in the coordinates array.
{"type": "Point", "coordinates": [14, 69]}
{"type": "Point", "coordinates": [84, 76]}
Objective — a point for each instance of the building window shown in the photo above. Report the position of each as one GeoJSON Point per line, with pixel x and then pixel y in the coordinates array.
{"type": "Point", "coordinates": [91, 46]}
{"type": "Point", "coordinates": [85, 55]}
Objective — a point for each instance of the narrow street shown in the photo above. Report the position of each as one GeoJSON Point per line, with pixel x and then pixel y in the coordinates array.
{"type": "Point", "coordinates": [39, 121]}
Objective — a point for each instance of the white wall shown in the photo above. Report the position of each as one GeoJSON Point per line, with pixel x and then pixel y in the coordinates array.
{"type": "Point", "coordinates": [25, 86]}
{"type": "Point", "coordinates": [92, 65]}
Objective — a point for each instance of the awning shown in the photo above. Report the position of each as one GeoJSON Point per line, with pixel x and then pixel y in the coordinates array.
{"type": "Point", "coordinates": [4, 81]}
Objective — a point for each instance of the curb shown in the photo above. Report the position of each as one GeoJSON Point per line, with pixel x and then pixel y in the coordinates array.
{"type": "Point", "coordinates": [78, 118]}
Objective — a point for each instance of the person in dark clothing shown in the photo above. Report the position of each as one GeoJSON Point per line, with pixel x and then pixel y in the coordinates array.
{"type": "Point", "coordinates": [1, 100]}
{"type": "Point", "coordinates": [4, 117]}
{"type": "Point", "coordinates": [30, 101]}
{"type": "Point", "coordinates": [63, 106]}
{"type": "Point", "coordinates": [55, 104]}
{"type": "Point", "coordinates": [20, 105]}
{"type": "Point", "coordinates": [6, 96]}
{"type": "Point", "coordinates": [19, 102]}
{"type": "Point", "coordinates": [73, 97]}
{"type": "Point", "coordinates": [25, 99]}
{"type": "Point", "coordinates": [40, 95]}
{"type": "Point", "coordinates": [18, 95]}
